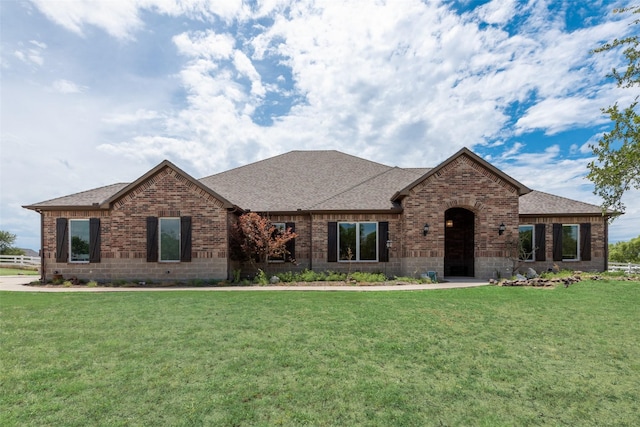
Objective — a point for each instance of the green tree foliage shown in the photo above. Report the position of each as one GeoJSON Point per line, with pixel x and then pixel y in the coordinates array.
{"type": "Point", "coordinates": [255, 239]}
{"type": "Point", "coordinates": [617, 165]}
{"type": "Point", "coordinates": [625, 251]}
{"type": "Point", "coordinates": [7, 240]}
{"type": "Point", "coordinates": [79, 246]}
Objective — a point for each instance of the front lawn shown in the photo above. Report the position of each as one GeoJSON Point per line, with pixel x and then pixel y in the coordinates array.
{"type": "Point", "coordinates": [482, 356]}
{"type": "Point", "coordinates": [5, 271]}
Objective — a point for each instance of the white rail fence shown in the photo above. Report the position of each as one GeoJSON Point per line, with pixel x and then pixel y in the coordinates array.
{"type": "Point", "coordinates": [30, 261]}
{"type": "Point", "coordinates": [627, 267]}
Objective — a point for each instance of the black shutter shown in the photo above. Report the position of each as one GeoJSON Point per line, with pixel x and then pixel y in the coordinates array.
{"type": "Point", "coordinates": [557, 242]}
{"type": "Point", "coordinates": [540, 242]}
{"type": "Point", "coordinates": [585, 241]}
{"type": "Point", "coordinates": [152, 239]}
{"type": "Point", "coordinates": [291, 244]}
{"type": "Point", "coordinates": [94, 239]}
{"type": "Point", "coordinates": [383, 236]}
{"type": "Point", "coordinates": [185, 239]}
{"type": "Point", "coordinates": [62, 240]}
{"type": "Point", "coordinates": [332, 242]}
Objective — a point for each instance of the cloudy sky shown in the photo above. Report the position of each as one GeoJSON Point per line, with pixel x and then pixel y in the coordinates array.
{"type": "Point", "coordinates": [95, 92]}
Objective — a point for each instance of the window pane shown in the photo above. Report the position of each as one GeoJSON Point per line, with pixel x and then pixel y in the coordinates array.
{"type": "Point", "coordinates": [169, 239]}
{"type": "Point", "coordinates": [368, 241]}
{"type": "Point", "coordinates": [79, 238]}
{"type": "Point", "coordinates": [279, 228]}
{"type": "Point", "coordinates": [347, 241]}
{"type": "Point", "coordinates": [569, 242]}
{"type": "Point", "coordinates": [525, 241]}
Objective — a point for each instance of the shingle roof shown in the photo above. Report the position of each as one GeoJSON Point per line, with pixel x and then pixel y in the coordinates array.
{"type": "Point", "coordinates": [318, 180]}
{"type": "Point", "coordinates": [540, 203]}
{"type": "Point", "coordinates": [82, 199]}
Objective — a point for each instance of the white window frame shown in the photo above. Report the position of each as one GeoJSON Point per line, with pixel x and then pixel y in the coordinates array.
{"type": "Point", "coordinates": [533, 241]}
{"type": "Point", "coordinates": [356, 255]}
{"type": "Point", "coordinates": [577, 258]}
{"type": "Point", "coordinates": [160, 239]}
{"type": "Point", "coordinates": [79, 261]}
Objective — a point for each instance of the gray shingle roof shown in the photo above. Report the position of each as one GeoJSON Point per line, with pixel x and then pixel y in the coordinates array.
{"type": "Point", "coordinates": [319, 181]}
{"type": "Point", "coordinates": [539, 203]}
{"type": "Point", "coordinates": [82, 199]}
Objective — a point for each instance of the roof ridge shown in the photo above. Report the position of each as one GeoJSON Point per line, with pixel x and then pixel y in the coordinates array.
{"type": "Point", "coordinates": [295, 151]}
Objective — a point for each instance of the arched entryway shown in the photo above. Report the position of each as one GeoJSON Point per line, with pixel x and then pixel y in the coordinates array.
{"type": "Point", "coordinates": [458, 242]}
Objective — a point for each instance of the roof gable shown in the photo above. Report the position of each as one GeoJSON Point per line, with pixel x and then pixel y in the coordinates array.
{"type": "Point", "coordinates": [521, 188]}
{"type": "Point", "coordinates": [155, 171]}
{"type": "Point", "coordinates": [105, 197]}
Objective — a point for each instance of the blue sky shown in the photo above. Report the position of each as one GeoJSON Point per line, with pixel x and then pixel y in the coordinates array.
{"type": "Point", "coordinates": [98, 92]}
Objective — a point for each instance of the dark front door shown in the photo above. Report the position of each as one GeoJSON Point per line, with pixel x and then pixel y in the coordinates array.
{"type": "Point", "coordinates": [458, 242]}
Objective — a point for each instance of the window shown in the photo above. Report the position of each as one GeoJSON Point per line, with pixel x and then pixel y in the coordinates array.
{"type": "Point", "coordinates": [169, 239]}
{"type": "Point", "coordinates": [570, 247]}
{"type": "Point", "coordinates": [358, 241]}
{"type": "Point", "coordinates": [79, 240]}
{"type": "Point", "coordinates": [526, 247]}
{"type": "Point", "coordinates": [281, 227]}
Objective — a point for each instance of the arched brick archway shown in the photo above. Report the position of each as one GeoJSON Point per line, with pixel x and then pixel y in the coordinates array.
{"type": "Point", "coordinates": [459, 242]}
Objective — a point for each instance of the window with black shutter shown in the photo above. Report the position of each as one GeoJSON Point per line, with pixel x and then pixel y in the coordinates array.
{"type": "Point", "coordinates": [383, 237]}
{"type": "Point", "coordinates": [540, 242]}
{"type": "Point", "coordinates": [94, 240]}
{"type": "Point", "coordinates": [585, 241]}
{"type": "Point", "coordinates": [185, 239]}
{"type": "Point", "coordinates": [332, 242]}
{"type": "Point", "coordinates": [62, 240]}
{"type": "Point", "coordinates": [152, 239]}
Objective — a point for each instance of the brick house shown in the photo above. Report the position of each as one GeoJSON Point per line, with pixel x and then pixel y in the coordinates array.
{"type": "Point", "coordinates": [460, 218]}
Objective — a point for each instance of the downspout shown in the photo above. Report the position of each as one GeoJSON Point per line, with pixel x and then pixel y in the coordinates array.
{"type": "Point", "coordinates": [310, 241]}
{"type": "Point", "coordinates": [43, 273]}
{"type": "Point", "coordinates": [606, 243]}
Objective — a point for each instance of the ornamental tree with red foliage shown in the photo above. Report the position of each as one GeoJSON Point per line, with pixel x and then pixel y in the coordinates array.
{"type": "Point", "coordinates": [255, 239]}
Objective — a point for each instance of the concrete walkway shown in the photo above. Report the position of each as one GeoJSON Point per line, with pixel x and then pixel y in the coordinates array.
{"type": "Point", "coordinates": [19, 283]}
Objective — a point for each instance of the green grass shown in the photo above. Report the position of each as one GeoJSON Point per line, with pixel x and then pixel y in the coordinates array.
{"type": "Point", "coordinates": [18, 271]}
{"type": "Point", "coordinates": [484, 356]}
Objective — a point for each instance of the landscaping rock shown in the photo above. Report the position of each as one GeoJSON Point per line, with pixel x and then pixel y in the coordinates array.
{"type": "Point", "coordinates": [541, 282]}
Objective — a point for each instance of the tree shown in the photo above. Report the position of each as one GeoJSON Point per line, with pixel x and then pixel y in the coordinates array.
{"type": "Point", "coordinates": [6, 244]}
{"type": "Point", "coordinates": [625, 251]}
{"type": "Point", "coordinates": [617, 165]}
{"type": "Point", "coordinates": [519, 249]}
{"type": "Point", "coordinates": [256, 240]}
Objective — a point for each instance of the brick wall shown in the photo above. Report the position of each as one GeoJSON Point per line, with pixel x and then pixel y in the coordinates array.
{"type": "Point", "coordinates": [462, 183]}
{"type": "Point", "coordinates": [124, 236]}
{"type": "Point", "coordinates": [598, 243]}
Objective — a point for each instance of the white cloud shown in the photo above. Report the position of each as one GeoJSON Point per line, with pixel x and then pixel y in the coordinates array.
{"type": "Point", "coordinates": [497, 11]}
{"type": "Point", "coordinates": [205, 44]}
{"type": "Point", "coordinates": [132, 118]}
{"type": "Point", "coordinates": [32, 56]}
{"type": "Point", "coordinates": [66, 87]}
{"type": "Point", "coordinates": [118, 18]}
{"type": "Point", "coordinates": [41, 45]}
